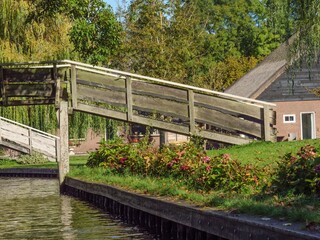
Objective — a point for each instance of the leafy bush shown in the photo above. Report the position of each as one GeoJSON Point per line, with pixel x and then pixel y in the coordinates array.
{"type": "Point", "coordinates": [34, 158]}
{"type": "Point", "coordinates": [187, 162]}
{"type": "Point", "coordinates": [300, 174]}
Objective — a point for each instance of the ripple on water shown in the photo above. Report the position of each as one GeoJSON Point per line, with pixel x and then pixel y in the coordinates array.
{"type": "Point", "coordinates": [33, 209]}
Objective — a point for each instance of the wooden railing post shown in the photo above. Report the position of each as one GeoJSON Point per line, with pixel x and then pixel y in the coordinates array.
{"type": "Point", "coordinates": [192, 122]}
{"type": "Point", "coordinates": [0, 131]}
{"type": "Point", "coordinates": [30, 140]}
{"type": "Point", "coordinates": [64, 141]}
{"type": "Point", "coordinates": [129, 99]}
{"type": "Point", "coordinates": [266, 123]}
{"type": "Point", "coordinates": [74, 86]}
{"type": "Point", "coordinates": [58, 85]}
{"type": "Point", "coordinates": [3, 89]}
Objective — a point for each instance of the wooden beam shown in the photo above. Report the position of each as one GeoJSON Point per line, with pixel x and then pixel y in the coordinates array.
{"type": "Point", "coordinates": [191, 114]}
{"type": "Point", "coordinates": [267, 123]}
{"type": "Point", "coordinates": [129, 99]}
{"type": "Point", "coordinates": [102, 112]}
{"type": "Point", "coordinates": [30, 90]}
{"type": "Point", "coordinates": [74, 92]}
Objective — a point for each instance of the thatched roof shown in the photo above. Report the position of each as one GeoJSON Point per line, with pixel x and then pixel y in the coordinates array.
{"type": "Point", "coordinates": [259, 78]}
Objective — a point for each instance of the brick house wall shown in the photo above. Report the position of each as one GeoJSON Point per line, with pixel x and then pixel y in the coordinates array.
{"type": "Point", "coordinates": [295, 108]}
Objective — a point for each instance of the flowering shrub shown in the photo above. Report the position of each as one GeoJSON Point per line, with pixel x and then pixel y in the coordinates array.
{"type": "Point", "coordinates": [299, 174]}
{"type": "Point", "coordinates": [187, 162]}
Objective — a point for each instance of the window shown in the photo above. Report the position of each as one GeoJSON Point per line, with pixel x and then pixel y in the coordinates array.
{"type": "Point", "coordinates": [289, 118]}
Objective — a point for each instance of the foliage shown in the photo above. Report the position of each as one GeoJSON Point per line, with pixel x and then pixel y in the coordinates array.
{"type": "Point", "coordinates": [299, 174]}
{"type": "Point", "coordinates": [187, 162]}
{"type": "Point", "coordinates": [34, 158]}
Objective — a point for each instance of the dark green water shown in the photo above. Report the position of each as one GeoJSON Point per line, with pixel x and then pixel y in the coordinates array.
{"type": "Point", "coordinates": [33, 209]}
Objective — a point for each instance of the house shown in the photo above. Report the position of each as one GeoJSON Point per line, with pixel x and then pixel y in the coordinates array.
{"type": "Point", "coordinates": [291, 89]}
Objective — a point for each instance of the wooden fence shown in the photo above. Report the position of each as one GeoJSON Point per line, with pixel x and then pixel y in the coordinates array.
{"type": "Point", "coordinates": [27, 139]}
{"type": "Point", "coordinates": [138, 99]}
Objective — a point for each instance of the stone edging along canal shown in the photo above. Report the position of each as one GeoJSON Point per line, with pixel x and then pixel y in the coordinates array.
{"type": "Point", "coordinates": [180, 221]}
{"type": "Point", "coordinates": [29, 172]}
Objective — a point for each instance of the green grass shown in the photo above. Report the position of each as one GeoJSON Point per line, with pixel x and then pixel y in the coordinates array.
{"type": "Point", "coordinates": [263, 153]}
{"type": "Point", "coordinates": [11, 163]}
{"type": "Point", "coordinates": [289, 208]}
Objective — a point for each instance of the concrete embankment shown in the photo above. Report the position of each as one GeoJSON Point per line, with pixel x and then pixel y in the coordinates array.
{"type": "Point", "coordinates": [29, 172]}
{"type": "Point", "coordinates": [174, 220]}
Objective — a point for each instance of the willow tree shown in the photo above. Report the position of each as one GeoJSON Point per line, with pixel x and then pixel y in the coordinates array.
{"type": "Point", "coordinates": [46, 30]}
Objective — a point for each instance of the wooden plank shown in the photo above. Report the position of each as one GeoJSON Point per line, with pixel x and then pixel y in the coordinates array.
{"type": "Point", "coordinates": [30, 90]}
{"type": "Point", "coordinates": [192, 122]}
{"type": "Point", "coordinates": [171, 127]}
{"type": "Point", "coordinates": [160, 91]}
{"type": "Point", "coordinates": [74, 92]}
{"type": "Point", "coordinates": [15, 137]}
{"type": "Point", "coordinates": [161, 105]}
{"type": "Point", "coordinates": [99, 85]}
{"type": "Point", "coordinates": [28, 74]}
{"type": "Point", "coordinates": [237, 108]}
{"type": "Point", "coordinates": [14, 128]}
{"type": "Point", "coordinates": [223, 138]}
{"type": "Point", "coordinates": [103, 95]}
{"type": "Point", "coordinates": [102, 112]}
{"type": "Point", "coordinates": [129, 100]}
{"type": "Point", "coordinates": [30, 102]}
{"type": "Point", "coordinates": [99, 78]}
{"type": "Point", "coordinates": [226, 121]}
{"type": "Point", "coordinates": [16, 147]}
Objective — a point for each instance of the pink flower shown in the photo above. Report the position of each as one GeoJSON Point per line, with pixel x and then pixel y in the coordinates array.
{"type": "Point", "coordinates": [208, 168]}
{"type": "Point", "coordinates": [169, 165]}
{"type": "Point", "coordinates": [185, 167]}
{"type": "Point", "coordinates": [206, 159]}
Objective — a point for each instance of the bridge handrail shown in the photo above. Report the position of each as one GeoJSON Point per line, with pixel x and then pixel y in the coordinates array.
{"type": "Point", "coordinates": [28, 127]}
{"type": "Point", "coordinates": [31, 140]}
{"type": "Point", "coordinates": [92, 68]}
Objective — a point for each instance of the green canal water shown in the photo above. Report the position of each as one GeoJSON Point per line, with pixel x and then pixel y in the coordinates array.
{"type": "Point", "coordinates": [33, 209]}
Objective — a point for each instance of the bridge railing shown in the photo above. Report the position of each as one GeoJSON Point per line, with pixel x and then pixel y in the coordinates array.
{"type": "Point", "coordinates": [139, 99]}
{"type": "Point", "coordinates": [27, 139]}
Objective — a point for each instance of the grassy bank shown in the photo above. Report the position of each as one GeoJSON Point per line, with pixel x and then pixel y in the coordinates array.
{"type": "Point", "coordinates": [7, 162]}
{"type": "Point", "coordinates": [287, 206]}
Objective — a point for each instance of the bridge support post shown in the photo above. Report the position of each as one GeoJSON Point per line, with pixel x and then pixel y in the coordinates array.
{"type": "Point", "coordinates": [64, 140]}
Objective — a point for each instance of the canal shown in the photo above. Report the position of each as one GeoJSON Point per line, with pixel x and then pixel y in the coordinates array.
{"type": "Point", "coordinates": [33, 209]}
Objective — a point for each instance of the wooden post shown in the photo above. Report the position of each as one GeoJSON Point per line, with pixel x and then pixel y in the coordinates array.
{"type": "Point", "coordinates": [74, 86]}
{"type": "Point", "coordinates": [266, 122]}
{"type": "Point", "coordinates": [192, 122]}
{"type": "Point", "coordinates": [0, 130]}
{"type": "Point", "coordinates": [129, 99]}
{"type": "Point", "coordinates": [58, 85]}
{"type": "Point", "coordinates": [64, 141]}
{"type": "Point", "coordinates": [3, 89]}
{"type": "Point", "coordinates": [30, 140]}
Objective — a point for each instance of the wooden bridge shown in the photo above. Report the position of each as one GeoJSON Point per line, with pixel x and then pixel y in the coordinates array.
{"type": "Point", "coordinates": [74, 86]}
{"type": "Point", "coordinates": [26, 139]}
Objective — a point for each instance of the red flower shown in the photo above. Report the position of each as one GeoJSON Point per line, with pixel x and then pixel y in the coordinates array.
{"type": "Point", "coordinates": [123, 160]}
{"type": "Point", "coordinates": [185, 167]}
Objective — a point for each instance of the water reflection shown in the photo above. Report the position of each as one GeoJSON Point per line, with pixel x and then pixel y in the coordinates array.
{"type": "Point", "coordinates": [33, 209]}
